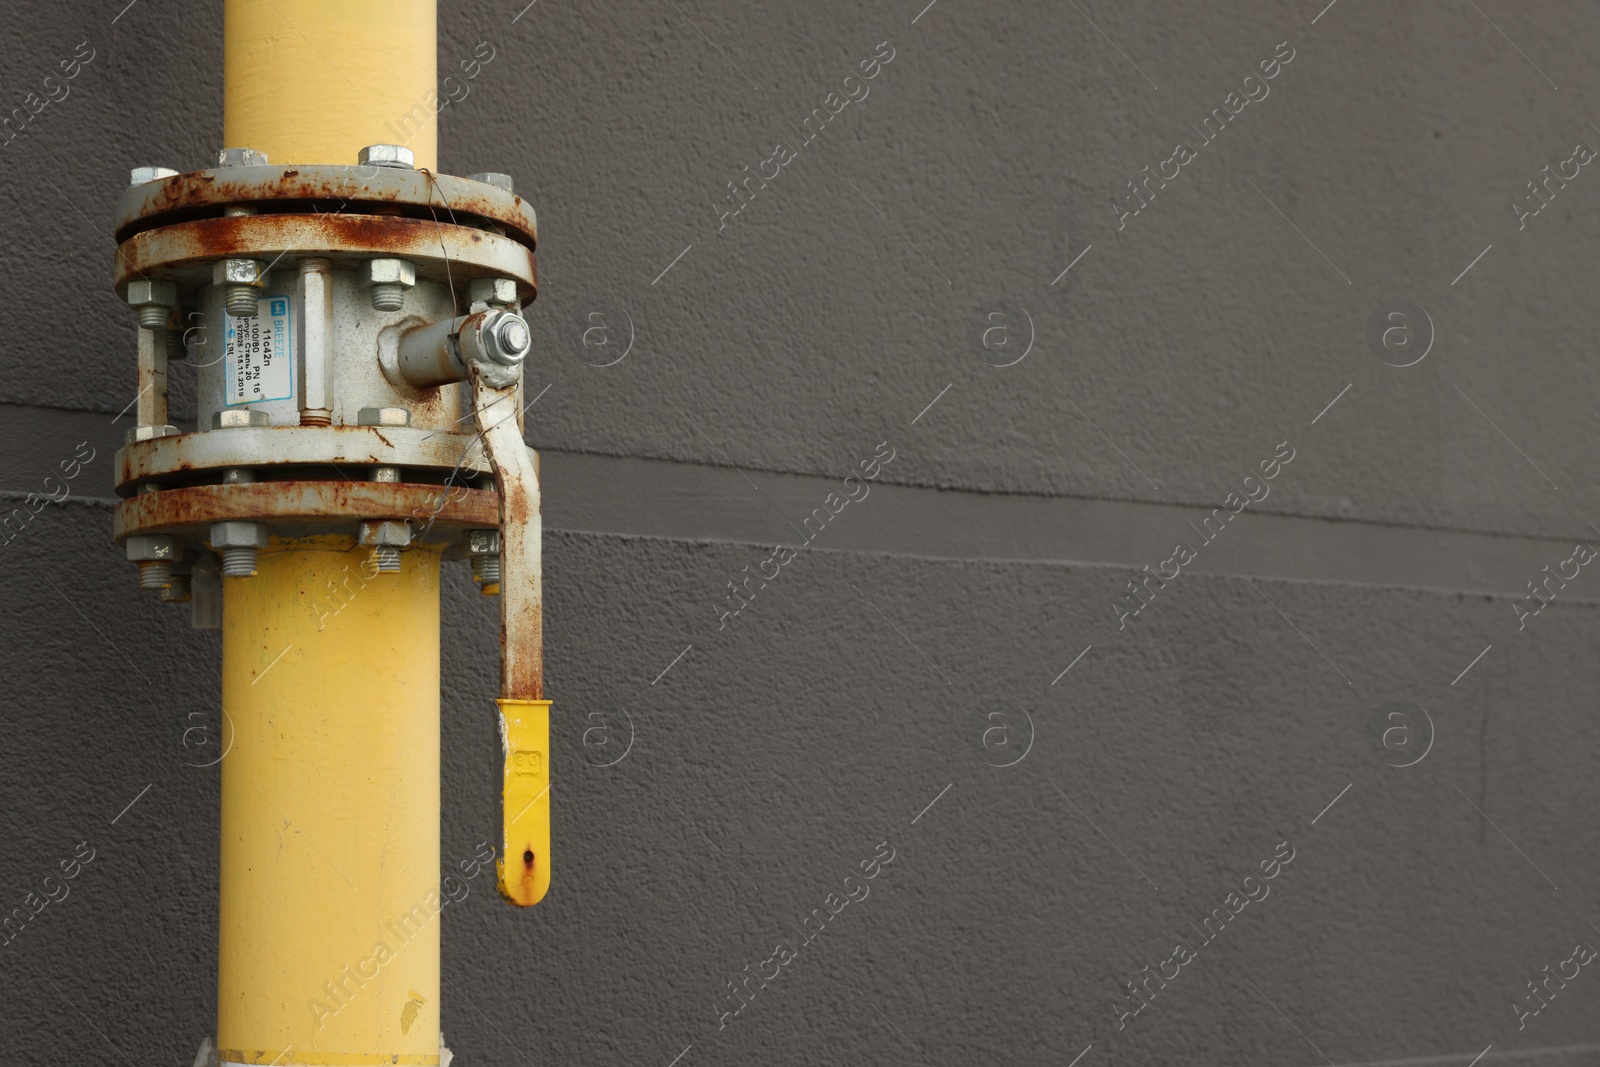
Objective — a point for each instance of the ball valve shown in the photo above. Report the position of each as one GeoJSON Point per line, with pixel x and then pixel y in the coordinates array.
{"type": "Point", "coordinates": [357, 343]}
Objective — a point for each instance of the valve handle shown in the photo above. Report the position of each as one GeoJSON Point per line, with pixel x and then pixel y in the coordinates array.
{"type": "Point", "coordinates": [523, 869]}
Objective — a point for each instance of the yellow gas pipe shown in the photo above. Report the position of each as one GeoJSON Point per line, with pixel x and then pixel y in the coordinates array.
{"type": "Point", "coordinates": [329, 940]}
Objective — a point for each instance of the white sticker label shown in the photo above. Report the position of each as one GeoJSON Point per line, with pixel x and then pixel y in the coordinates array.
{"type": "Point", "coordinates": [258, 361]}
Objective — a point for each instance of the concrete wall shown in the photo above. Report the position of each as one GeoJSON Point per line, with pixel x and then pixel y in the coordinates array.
{"type": "Point", "coordinates": [876, 691]}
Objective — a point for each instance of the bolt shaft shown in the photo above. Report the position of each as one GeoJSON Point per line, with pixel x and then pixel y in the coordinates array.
{"type": "Point", "coordinates": [155, 573]}
{"type": "Point", "coordinates": [154, 317]}
{"type": "Point", "coordinates": [238, 562]}
{"type": "Point", "coordinates": [179, 591]}
{"type": "Point", "coordinates": [388, 296]}
{"type": "Point", "coordinates": [486, 572]}
{"type": "Point", "coordinates": [241, 301]}
{"type": "Point", "coordinates": [388, 559]}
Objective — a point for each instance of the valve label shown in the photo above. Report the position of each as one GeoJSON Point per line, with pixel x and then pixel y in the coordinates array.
{"type": "Point", "coordinates": [258, 361]}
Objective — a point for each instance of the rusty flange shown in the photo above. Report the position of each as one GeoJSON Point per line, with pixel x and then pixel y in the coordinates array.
{"type": "Point", "coordinates": [351, 189]}
{"type": "Point", "coordinates": [357, 447]}
{"type": "Point", "coordinates": [184, 251]}
{"type": "Point", "coordinates": [438, 514]}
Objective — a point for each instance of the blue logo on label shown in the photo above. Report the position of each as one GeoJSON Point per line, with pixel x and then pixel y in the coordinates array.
{"type": "Point", "coordinates": [278, 305]}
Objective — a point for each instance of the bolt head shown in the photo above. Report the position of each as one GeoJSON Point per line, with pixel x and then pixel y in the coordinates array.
{"type": "Point", "coordinates": [391, 272]}
{"type": "Point", "coordinates": [383, 417]}
{"type": "Point", "coordinates": [241, 157]}
{"type": "Point", "coordinates": [390, 532]}
{"type": "Point", "coordinates": [141, 175]}
{"type": "Point", "coordinates": [239, 272]}
{"type": "Point", "coordinates": [229, 417]}
{"type": "Point", "coordinates": [483, 542]}
{"type": "Point", "coordinates": [144, 293]}
{"type": "Point", "coordinates": [494, 178]}
{"type": "Point", "coordinates": [234, 534]}
{"type": "Point", "coordinates": [387, 155]}
{"type": "Point", "coordinates": [148, 433]}
{"type": "Point", "coordinates": [152, 546]}
{"type": "Point", "coordinates": [496, 292]}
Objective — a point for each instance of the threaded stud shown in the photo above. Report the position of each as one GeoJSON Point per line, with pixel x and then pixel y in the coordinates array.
{"type": "Point", "coordinates": [155, 573]}
{"type": "Point", "coordinates": [154, 317]}
{"type": "Point", "coordinates": [388, 296]}
{"type": "Point", "coordinates": [179, 591]}
{"type": "Point", "coordinates": [486, 572]}
{"type": "Point", "coordinates": [241, 301]}
{"type": "Point", "coordinates": [387, 558]}
{"type": "Point", "coordinates": [238, 562]}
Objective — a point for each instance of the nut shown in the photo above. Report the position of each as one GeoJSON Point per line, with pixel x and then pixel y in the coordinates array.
{"type": "Point", "coordinates": [136, 434]}
{"type": "Point", "coordinates": [236, 534]}
{"type": "Point", "coordinates": [494, 178]}
{"type": "Point", "coordinates": [390, 278]}
{"type": "Point", "coordinates": [383, 417]}
{"type": "Point", "coordinates": [241, 157]}
{"type": "Point", "coordinates": [140, 547]}
{"type": "Point", "coordinates": [154, 301]}
{"type": "Point", "coordinates": [387, 155]}
{"type": "Point", "coordinates": [239, 272]}
{"type": "Point", "coordinates": [496, 292]}
{"type": "Point", "coordinates": [483, 542]}
{"type": "Point", "coordinates": [507, 340]}
{"type": "Point", "coordinates": [141, 175]}
{"type": "Point", "coordinates": [387, 532]}
{"type": "Point", "coordinates": [228, 417]}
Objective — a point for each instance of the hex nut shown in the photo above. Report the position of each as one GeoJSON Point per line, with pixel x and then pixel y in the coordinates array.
{"type": "Point", "coordinates": [142, 175]}
{"type": "Point", "coordinates": [483, 542]}
{"type": "Point", "coordinates": [145, 293]}
{"type": "Point", "coordinates": [151, 546]}
{"type": "Point", "coordinates": [391, 272]}
{"type": "Point", "coordinates": [386, 532]}
{"type": "Point", "coordinates": [494, 178]}
{"type": "Point", "coordinates": [136, 434]}
{"type": "Point", "coordinates": [241, 157]}
{"type": "Point", "coordinates": [387, 155]}
{"type": "Point", "coordinates": [239, 272]}
{"type": "Point", "coordinates": [496, 292]}
{"type": "Point", "coordinates": [229, 417]}
{"type": "Point", "coordinates": [235, 534]}
{"type": "Point", "coordinates": [508, 340]}
{"type": "Point", "coordinates": [383, 417]}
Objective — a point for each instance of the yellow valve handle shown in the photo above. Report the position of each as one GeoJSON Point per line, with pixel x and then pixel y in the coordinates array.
{"type": "Point", "coordinates": [524, 864]}
{"type": "Point", "coordinates": [523, 868]}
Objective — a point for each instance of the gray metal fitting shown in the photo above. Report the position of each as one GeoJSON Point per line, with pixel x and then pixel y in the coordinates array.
{"type": "Point", "coordinates": [241, 157]}
{"type": "Point", "coordinates": [506, 340]}
{"type": "Point", "coordinates": [136, 434]}
{"type": "Point", "coordinates": [242, 281]}
{"type": "Point", "coordinates": [392, 532]}
{"type": "Point", "coordinates": [390, 278]}
{"type": "Point", "coordinates": [141, 175]}
{"type": "Point", "coordinates": [494, 178]}
{"type": "Point", "coordinates": [496, 292]}
{"type": "Point", "coordinates": [387, 155]}
{"type": "Point", "coordinates": [238, 476]}
{"type": "Point", "coordinates": [155, 554]}
{"type": "Point", "coordinates": [389, 475]}
{"type": "Point", "coordinates": [153, 301]}
{"type": "Point", "coordinates": [383, 417]}
{"type": "Point", "coordinates": [484, 548]}
{"type": "Point", "coordinates": [238, 542]}
{"type": "Point", "coordinates": [483, 542]}
{"type": "Point", "coordinates": [228, 417]}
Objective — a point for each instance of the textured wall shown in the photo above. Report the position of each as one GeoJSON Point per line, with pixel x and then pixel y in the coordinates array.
{"type": "Point", "coordinates": [715, 786]}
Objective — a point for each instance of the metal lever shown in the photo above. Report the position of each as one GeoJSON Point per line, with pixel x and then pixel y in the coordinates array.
{"type": "Point", "coordinates": [492, 345]}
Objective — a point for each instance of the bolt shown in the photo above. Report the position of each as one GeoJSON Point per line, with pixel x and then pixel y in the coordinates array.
{"type": "Point", "coordinates": [242, 281]}
{"type": "Point", "coordinates": [153, 301]}
{"type": "Point", "coordinates": [390, 278]}
{"type": "Point", "coordinates": [229, 417]}
{"type": "Point", "coordinates": [238, 542]}
{"type": "Point", "coordinates": [155, 573]}
{"type": "Point", "coordinates": [238, 476]}
{"type": "Point", "coordinates": [496, 292]}
{"type": "Point", "coordinates": [142, 175]}
{"type": "Point", "coordinates": [241, 157]}
{"type": "Point", "coordinates": [387, 155]}
{"type": "Point", "coordinates": [492, 177]}
{"type": "Point", "coordinates": [146, 433]}
{"type": "Point", "coordinates": [508, 339]}
{"type": "Point", "coordinates": [383, 417]}
{"type": "Point", "coordinates": [392, 533]}
{"type": "Point", "coordinates": [387, 557]}
{"type": "Point", "coordinates": [486, 572]}
{"type": "Point", "coordinates": [390, 475]}
{"type": "Point", "coordinates": [178, 591]}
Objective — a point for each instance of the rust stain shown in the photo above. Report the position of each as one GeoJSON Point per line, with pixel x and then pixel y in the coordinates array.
{"type": "Point", "coordinates": [172, 510]}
